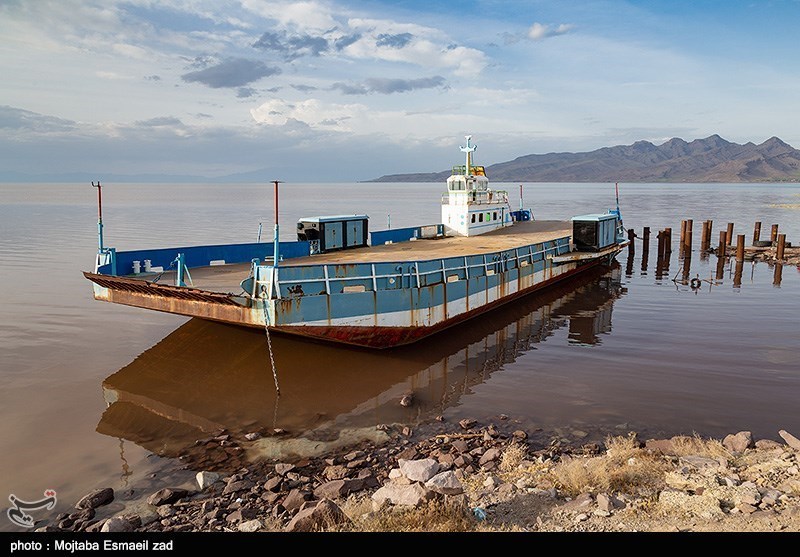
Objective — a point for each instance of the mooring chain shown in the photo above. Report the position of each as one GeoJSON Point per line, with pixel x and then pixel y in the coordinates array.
{"type": "Point", "coordinates": [269, 347]}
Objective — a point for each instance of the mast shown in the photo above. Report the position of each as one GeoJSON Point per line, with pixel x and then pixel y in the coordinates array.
{"type": "Point", "coordinates": [468, 150]}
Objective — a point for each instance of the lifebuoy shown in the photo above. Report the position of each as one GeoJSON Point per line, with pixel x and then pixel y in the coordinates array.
{"type": "Point", "coordinates": [695, 283]}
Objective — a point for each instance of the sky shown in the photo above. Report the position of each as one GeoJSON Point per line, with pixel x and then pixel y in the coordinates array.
{"type": "Point", "coordinates": [350, 90]}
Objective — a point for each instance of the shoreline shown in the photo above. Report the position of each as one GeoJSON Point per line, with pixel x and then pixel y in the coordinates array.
{"type": "Point", "coordinates": [474, 477]}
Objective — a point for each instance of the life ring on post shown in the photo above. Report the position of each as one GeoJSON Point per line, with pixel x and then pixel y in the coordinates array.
{"type": "Point", "coordinates": [695, 283]}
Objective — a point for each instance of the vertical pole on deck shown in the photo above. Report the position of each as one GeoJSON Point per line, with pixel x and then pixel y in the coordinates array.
{"type": "Point", "coordinates": [520, 197]}
{"type": "Point", "coordinates": [774, 236]}
{"type": "Point", "coordinates": [99, 214]}
{"type": "Point", "coordinates": [756, 232]}
{"type": "Point", "coordinates": [781, 246]}
{"type": "Point", "coordinates": [276, 233]}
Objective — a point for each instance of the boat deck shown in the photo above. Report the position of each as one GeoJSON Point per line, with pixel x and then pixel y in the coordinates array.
{"type": "Point", "coordinates": [227, 278]}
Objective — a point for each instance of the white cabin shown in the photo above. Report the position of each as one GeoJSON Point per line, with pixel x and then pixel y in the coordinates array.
{"type": "Point", "coordinates": [470, 207]}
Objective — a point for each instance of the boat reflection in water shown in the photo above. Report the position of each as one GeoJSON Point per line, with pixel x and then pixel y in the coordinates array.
{"type": "Point", "coordinates": [205, 377]}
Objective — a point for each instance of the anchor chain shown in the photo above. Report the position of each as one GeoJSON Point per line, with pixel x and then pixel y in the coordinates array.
{"type": "Point", "coordinates": [269, 347]}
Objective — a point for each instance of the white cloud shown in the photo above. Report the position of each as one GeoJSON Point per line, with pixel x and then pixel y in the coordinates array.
{"type": "Point", "coordinates": [308, 15]}
{"type": "Point", "coordinates": [539, 31]}
{"type": "Point", "coordinates": [312, 112]}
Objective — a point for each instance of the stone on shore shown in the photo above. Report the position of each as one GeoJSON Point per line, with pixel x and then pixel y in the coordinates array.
{"type": "Point", "coordinates": [790, 439]}
{"type": "Point", "coordinates": [166, 496]}
{"type": "Point", "coordinates": [250, 526]}
{"type": "Point", "coordinates": [445, 483]}
{"type": "Point", "coordinates": [420, 470]}
{"type": "Point", "coordinates": [118, 524]}
{"type": "Point", "coordinates": [206, 479]}
{"type": "Point", "coordinates": [324, 514]}
{"type": "Point", "coordinates": [739, 442]}
{"type": "Point", "coordinates": [96, 498]}
{"type": "Point", "coordinates": [412, 495]}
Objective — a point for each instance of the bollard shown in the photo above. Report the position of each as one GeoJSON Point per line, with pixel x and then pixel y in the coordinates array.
{"type": "Point", "coordinates": [740, 247]}
{"type": "Point", "coordinates": [729, 235]}
{"type": "Point", "coordinates": [781, 247]}
{"type": "Point", "coordinates": [631, 236]}
{"type": "Point", "coordinates": [756, 232]}
{"type": "Point", "coordinates": [774, 236]}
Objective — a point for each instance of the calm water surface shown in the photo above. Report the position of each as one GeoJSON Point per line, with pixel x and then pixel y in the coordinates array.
{"type": "Point", "coordinates": [95, 394]}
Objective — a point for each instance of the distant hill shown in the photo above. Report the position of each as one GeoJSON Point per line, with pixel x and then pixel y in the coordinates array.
{"type": "Point", "coordinates": [703, 160]}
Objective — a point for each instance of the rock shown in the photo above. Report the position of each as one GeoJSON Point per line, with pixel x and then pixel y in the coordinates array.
{"type": "Point", "coordinates": [445, 483]}
{"type": "Point", "coordinates": [790, 439]}
{"type": "Point", "coordinates": [767, 444]}
{"type": "Point", "coordinates": [460, 445]}
{"type": "Point", "coordinates": [490, 456]}
{"type": "Point", "coordinates": [703, 506]}
{"type": "Point", "coordinates": [581, 517]}
{"type": "Point", "coordinates": [295, 499]}
{"type": "Point", "coordinates": [700, 462]}
{"type": "Point", "coordinates": [241, 515]}
{"type": "Point", "coordinates": [746, 508]}
{"type": "Point", "coordinates": [323, 515]}
{"type": "Point", "coordinates": [165, 511]}
{"type": "Point", "coordinates": [519, 434]}
{"type": "Point", "coordinates": [467, 423]}
{"type": "Point", "coordinates": [117, 524]}
{"type": "Point", "coordinates": [335, 472]}
{"type": "Point", "coordinates": [354, 455]}
{"type": "Point", "coordinates": [420, 470]}
{"type": "Point", "coordinates": [412, 495]}
{"type": "Point", "coordinates": [166, 496]}
{"type": "Point", "coordinates": [250, 526]}
{"type": "Point", "coordinates": [235, 486]}
{"type": "Point", "coordinates": [283, 468]}
{"type": "Point", "coordinates": [337, 488]}
{"type": "Point", "coordinates": [580, 503]}
{"type": "Point", "coordinates": [96, 498]}
{"type": "Point", "coordinates": [252, 436]}
{"type": "Point", "coordinates": [663, 446]}
{"type": "Point", "coordinates": [491, 482]}
{"type": "Point", "coordinates": [608, 503]}
{"type": "Point", "coordinates": [739, 442]}
{"type": "Point", "coordinates": [206, 479]}
{"type": "Point", "coordinates": [273, 483]}
{"type": "Point", "coordinates": [409, 453]}
{"type": "Point", "coordinates": [407, 400]}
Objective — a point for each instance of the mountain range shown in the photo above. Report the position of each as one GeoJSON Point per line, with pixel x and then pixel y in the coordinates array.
{"type": "Point", "coordinates": [712, 159]}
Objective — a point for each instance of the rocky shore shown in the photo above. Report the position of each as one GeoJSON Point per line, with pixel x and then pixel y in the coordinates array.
{"type": "Point", "coordinates": [470, 477]}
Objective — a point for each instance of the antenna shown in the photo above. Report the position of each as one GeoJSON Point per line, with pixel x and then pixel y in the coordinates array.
{"type": "Point", "coordinates": [468, 150]}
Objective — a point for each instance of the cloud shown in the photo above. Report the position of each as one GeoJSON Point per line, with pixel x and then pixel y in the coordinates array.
{"type": "Point", "coordinates": [393, 41]}
{"type": "Point", "coordinates": [311, 112]}
{"type": "Point", "coordinates": [294, 46]}
{"type": "Point", "coordinates": [245, 92]}
{"type": "Point", "coordinates": [159, 121]}
{"type": "Point", "coordinates": [18, 119]}
{"type": "Point", "coordinates": [345, 41]}
{"type": "Point", "coordinates": [539, 31]}
{"type": "Point", "coordinates": [304, 88]}
{"type": "Point", "coordinates": [387, 86]}
{"type": "Point", "coordinates": [235, 72]}
{"type": "Point", "coordinates": [152, 78]}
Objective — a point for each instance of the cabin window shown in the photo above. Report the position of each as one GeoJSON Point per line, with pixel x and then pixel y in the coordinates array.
{"type": "Point", "coordinates": [473, 217]}
{"type": "Point", "coordinates": [494, 215]}
{"type": "Point", "coordinates": [480, 217]}
{"type": "Point", "coordinates": [488, 216]}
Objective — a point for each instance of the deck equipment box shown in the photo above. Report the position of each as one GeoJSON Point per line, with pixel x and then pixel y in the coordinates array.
{"type": "Point", "coordinates": [334, 232]}
{"type": "Point", "coordinates": [594, 232]}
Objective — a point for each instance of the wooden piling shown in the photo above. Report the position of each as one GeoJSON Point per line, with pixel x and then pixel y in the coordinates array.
{"type": "Point", "coordinates": [661, 243]}
{"type": "Point", "coordinates": [705, 238]}
{"type": "Point", "coordinates": [723, 242]}
{"type": "Point", "coordinates": [729, 235]}
{"type": "Point", "coordinates": [756, 232]}
{"type": "Point", "coordinates": [781, 247]}
{"type": "Point", "coordinates": [740, 247]}
{"type": "Point", "coordinates": [688, 247]}
{"type": "Point", "coordinates": [631, 236]}
{"type": "Point", "coordinates": [737, 274]}
{"type": "Point", "coordinates": [667, 242]}
{"type": "Point", "coordinates": [777, 274]}
{"type": "Point", "coordinates": [682, 240]}
{"type": "Point", "coordinates": [774, 235]}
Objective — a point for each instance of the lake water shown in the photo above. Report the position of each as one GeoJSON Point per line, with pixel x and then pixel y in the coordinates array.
{"type": "Point", "coordinates": [95, 394]}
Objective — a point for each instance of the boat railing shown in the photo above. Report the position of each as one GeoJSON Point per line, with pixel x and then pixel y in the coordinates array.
{"type": "Point", "coordinates": [462, 197]}
{"type": "Point", "coordinates": [293, 281]}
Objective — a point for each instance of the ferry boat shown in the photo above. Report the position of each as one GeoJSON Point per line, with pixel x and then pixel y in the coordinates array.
{"type": "Point", "coordinates": [339, 282]}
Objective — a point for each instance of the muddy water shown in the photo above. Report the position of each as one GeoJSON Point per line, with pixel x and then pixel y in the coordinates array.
{"type": "Point", "coordinates": [94, 394]}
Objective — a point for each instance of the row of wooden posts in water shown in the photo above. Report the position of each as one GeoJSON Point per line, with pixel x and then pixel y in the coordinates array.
{"type": "Point", "coordinates": [722, 251]}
